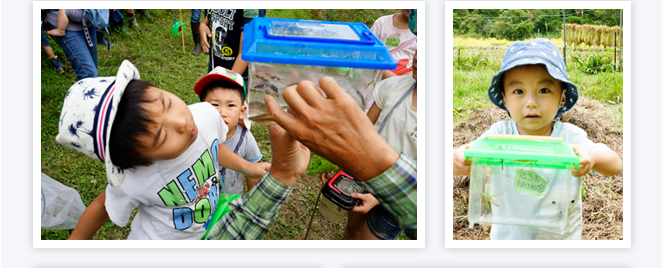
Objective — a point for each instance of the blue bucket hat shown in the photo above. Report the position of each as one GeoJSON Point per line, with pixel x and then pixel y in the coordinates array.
{"type": "Point", "coordinates": [536, 51]}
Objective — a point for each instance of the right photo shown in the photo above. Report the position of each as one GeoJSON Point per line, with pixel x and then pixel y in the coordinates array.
{"type": "Point", "coordinates": [538, 124]}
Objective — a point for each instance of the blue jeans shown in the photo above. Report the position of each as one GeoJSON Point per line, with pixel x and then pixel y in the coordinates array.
{"type": "Point", "coordinates": [44, 40]}
{"type": "Point", "coordinates": [83, 58]}
{"type": "Point", "coordinates": [195, 15]}
{"type": "Point", "coordinates": [115, 17]}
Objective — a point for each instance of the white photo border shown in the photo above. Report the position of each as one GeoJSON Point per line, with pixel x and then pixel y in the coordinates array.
{"type": "Point", "coordinates": [448, 128]}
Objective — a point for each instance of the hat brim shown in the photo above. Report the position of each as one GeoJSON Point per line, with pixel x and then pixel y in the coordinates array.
{"type": "Point", "coordinates": [125, 74]}
{"type": "Point", "coordinates": [200, 85]}
{"type": "Point", "coordinates": [495, 89]}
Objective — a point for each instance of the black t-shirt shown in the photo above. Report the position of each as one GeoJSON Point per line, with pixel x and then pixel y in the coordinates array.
{"type": "Point", "coordinates": [226, 26]}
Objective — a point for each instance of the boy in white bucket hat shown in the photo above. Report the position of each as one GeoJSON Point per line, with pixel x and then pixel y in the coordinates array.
{"type": "Point", "coordinates": [162, 157]}
{"type": "Point", "coordinates": [534, 88]}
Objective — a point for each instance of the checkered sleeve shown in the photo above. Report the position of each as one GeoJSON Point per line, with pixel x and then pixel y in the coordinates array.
{"type": "Point", "coordinates": [396, 189]}
{"type": "Point", "coordinates": [250, 216]}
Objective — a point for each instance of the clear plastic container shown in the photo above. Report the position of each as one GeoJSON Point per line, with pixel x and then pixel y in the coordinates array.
{"type": "Point", "coordinates": [283, 52]}
{"type": "Point", "coordinates": [272, 79]}
{"type": "Point", "coordinates": [520, 182]}
{"type": "Point", "coordinates": [331, 210]}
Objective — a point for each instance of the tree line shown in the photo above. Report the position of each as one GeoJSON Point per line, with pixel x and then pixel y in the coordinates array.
{"type": "Point", "coordinates": [520, 24]}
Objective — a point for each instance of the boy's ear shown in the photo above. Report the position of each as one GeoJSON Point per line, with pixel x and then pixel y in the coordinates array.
{"type": "Point", "coordinates": [242, 112]}
{"type": "Point", "coordinates": [504, 100]}
{"type": "Point", "coordinates": [562, 99]}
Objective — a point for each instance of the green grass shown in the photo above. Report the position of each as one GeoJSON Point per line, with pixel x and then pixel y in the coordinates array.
{"type": "Point", "coordinates": [160, 60]}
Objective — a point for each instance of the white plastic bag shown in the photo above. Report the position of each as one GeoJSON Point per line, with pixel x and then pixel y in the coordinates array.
{"type": "Point", "coordinates": [61, 206]}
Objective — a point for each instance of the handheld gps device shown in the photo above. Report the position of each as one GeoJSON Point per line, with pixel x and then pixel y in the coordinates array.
{"type": "Point", "coordinates": [339, 188]}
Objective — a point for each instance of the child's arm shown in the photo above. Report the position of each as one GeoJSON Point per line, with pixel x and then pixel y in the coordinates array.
{"type": "Point", "coordinates": [462, 165]}
{"type": "Point", "coordinates": [607, 163]}
{"type": "Point", "coordinates": [374, 113]}
{"type": "Point", "coordinates": [239, 66]}
{"type": "Point", "coordinates": [63, 22]}
{"type": "Point", "coordinates": [235, 162]}
{"type": "Point", "coordinates": [251, 181]}
{"type": "Point", "coordinates": [93, 218]}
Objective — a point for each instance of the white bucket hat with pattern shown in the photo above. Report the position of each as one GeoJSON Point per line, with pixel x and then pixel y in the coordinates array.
{"type": "Point", "coordinates": [88, 113]}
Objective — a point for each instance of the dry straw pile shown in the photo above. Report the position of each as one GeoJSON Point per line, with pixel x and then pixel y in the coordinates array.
{"type": "Point", "coordinates": [592, 35]}
{"type": "Point", "coordinates": [602, 208]}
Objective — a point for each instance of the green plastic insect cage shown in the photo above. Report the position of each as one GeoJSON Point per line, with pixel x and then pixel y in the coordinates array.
{"type": "Point", "coordinates": [522, 180]}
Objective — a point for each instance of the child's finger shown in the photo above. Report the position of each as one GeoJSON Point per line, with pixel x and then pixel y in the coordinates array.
{"type": "Point", "coordinates": [362, 197]}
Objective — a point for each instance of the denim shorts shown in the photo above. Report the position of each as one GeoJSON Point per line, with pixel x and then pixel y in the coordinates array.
{"type": "Point", "coordinates": [382, 224]}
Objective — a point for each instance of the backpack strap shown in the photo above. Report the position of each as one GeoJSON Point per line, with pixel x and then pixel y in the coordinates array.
{"type": "Point", "coordinates": [402, 46]}
{"type": "Point", "coordinates": [396, 105]}
{"type": "Point", "coordinates": [222, 172]}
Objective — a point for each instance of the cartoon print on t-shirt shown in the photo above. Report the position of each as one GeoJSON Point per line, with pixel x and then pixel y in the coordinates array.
{"type": "Point", "coordinates": [222, 22]}
{"type": "Point", "coordinates": [193, 194]}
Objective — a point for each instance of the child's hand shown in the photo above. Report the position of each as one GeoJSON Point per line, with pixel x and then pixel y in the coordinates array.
{"type": "Point", "coordinates": [368, 201]}
{"type": "Point", "coordinates": [462, 165]}
{"type": "Point", "coordinates": [586, 160]}
{"type": "Point", "coordinates": [325, 177]}
{"type": "Point", "coordinates": [258, 169]}
{"type": "Point", "coordinates": [204, 34]}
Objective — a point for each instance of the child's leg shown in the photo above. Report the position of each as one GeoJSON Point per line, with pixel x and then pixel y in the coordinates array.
{"type": "Point", "coordinates": [63, 22]}
{"type": "Point", "coordinates": [132, 18]}
{"type": "Point", "coordinates": [356, 229]}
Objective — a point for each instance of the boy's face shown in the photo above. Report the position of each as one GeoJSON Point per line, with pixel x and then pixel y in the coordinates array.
{"type": "Point", "coordinates": [532, 97]}
{"type": "Point", "coordinates": [229, 104]}
{"type": "Point", "coordinates": [173, 130]}
{"type": "Point", "coordinates": [414, 66]}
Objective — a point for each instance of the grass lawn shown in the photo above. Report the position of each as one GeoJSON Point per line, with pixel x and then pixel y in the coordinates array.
{"type": "Point", "coordinates": [159, 57]}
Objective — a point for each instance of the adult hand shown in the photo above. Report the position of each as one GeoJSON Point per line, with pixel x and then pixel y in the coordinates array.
{"type": "Point", "coordinates": [333, 127]}
{"type": "Point", "coordinates": [586, 161]}
{"type": "Point", "coordinates": [289, 157]}
{"type": "Point", "coordinates": [462, 165]}
{"type": "Point", "coordinates": [368, 201]}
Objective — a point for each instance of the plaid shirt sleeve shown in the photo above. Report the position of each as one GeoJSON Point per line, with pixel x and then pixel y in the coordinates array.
{"type": "Point", "coordinates": [250, 216]}
{"type": "Point", "coordinates": [396, 189]}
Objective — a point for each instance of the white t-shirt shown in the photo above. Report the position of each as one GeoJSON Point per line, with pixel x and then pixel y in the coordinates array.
{"type": "Point", "coordinates": [570, 134]}
{"type": "Point", "coordinates": [175, 197]}
{"type": "Point", "coordinates": [384, 29]}
{"type": "Point", "coordinates": [400, 130]}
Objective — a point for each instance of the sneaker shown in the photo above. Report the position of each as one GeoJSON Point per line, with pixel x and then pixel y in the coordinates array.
{"type": "Point", "coordinates": [56, 64]}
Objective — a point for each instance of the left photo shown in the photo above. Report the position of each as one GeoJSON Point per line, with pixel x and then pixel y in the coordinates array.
{"type": "Point", "coordinates": [201, 124]}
